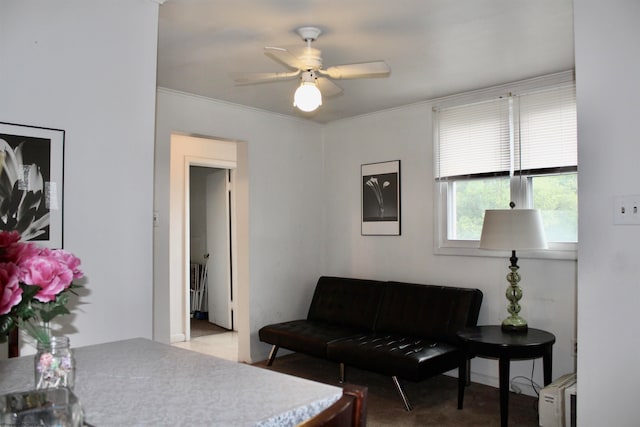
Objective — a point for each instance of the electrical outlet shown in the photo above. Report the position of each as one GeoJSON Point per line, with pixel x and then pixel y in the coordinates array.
{"type": "Point", "coordinates": [626, 210]}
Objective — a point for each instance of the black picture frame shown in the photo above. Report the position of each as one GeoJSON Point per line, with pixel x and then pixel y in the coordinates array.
{"type": "Point", "coordinates": [32, 182]}
{"type": "Point", "coordinates": [381, 213]}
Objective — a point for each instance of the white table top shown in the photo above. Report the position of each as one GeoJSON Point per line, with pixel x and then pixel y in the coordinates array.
{"type": "Point", "coordinates": [141, 382]}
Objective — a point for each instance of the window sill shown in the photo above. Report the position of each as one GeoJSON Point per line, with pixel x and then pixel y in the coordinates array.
{"type": "Point", "coordinates": [556, 251]}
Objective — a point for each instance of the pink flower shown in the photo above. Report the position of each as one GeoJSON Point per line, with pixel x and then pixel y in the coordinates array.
{"type": "Point", "coordinates": [8, 238]}
{"type": "Point", "coordinates": [20, 252]}
{"type": "Point", "coordinates": [51, 275]}
{"type": "Point", "coordinates": [10, 291]}
{"type": "Point", "coordinates": [8, 245]}
{"type": "Point", "coordinates": [28, 268]}
{"type": "Point", "coordinates": [70, 260]}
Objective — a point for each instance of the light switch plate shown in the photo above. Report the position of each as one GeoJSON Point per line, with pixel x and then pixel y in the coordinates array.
{"type": "Point", "coordinates": [626, 210]}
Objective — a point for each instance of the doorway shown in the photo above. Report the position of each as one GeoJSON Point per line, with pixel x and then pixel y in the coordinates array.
{"type": "Point", "coordinates": [212, 288]}
{"type": "Point", "coordinates": [187, 151]}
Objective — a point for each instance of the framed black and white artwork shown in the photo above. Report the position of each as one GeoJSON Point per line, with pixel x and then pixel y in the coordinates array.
{"type": "Point", "coordinates": [381, 198]}
{"type": "Point", "coordinates": [31, 182]}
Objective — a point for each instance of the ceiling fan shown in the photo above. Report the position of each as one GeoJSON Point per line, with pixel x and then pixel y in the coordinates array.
{"type": "Point", "coordinates": [315, 81]}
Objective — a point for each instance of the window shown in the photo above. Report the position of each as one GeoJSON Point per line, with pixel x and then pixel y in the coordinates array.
{"type": "Point", "coordinates": [515, 147]}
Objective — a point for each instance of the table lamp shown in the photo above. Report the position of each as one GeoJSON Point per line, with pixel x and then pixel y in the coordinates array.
{"type": "Point", "coordinates": [513, 229]}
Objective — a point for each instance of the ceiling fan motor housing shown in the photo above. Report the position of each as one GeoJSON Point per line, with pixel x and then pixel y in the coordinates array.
{"type": "Point", "coordinates": [309, 33]}
{"type": "Point", "coordinates": [309, 77]}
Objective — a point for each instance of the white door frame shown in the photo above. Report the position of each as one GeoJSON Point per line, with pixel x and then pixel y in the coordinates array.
{"type": "Point", "coordinates": [201, 151]}
{"type": "Point", "coordinates": [208, 163]}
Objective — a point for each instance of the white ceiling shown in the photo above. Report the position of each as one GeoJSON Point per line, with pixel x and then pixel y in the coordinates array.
{"type": "Point", "coordinates": [434, 47]}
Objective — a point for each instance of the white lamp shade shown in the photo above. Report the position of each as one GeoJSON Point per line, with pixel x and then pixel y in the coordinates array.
{"type": "Point", "coordinates": [307, 97]}
{"type": "Point", "coordinates": [512, 229]}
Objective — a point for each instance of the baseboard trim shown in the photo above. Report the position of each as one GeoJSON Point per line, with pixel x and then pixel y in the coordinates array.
{"type": "Point", "coordinates": [178, 338]}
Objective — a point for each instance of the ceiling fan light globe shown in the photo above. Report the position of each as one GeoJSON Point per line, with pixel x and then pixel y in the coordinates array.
{"type": "Point", "coordinates": [307, 97]}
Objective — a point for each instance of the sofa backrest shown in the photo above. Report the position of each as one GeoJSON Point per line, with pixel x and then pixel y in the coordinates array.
{"type": "Point", "coordinates": [429, 311]}
{"type": "Point", "coordinates": [347, 302]}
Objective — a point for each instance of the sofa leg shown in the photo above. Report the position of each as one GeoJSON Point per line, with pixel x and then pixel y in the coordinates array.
{"type": "Point", "coordinates": [407, 405]}
{"type": "Point", "coordinates": [463, 376]}
{"type": "Point", "coordinates": [272, 355]}
{"type": "Point", "coordinates": [341, 379]}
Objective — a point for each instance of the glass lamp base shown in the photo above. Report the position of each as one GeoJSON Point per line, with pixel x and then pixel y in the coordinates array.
{"type": "Point", "coordinates": [514, 324]}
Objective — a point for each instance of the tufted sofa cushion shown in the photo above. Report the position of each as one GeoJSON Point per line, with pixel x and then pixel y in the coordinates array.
{"type": "Point", "coordinates": [411, 358]}
{"type": "Point", "coordinates": [415, 331]}
{"type": "Point", "coordinates": [435, 312]}
{"type": "Point", "coordinates": [340, 307]}
{"type": "Point", "coordinates": [346, 302]}
{"type": "Point", "coordinates": [305, 336]}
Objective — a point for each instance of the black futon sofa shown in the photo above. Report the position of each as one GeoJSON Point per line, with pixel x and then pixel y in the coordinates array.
{"type": "Point", "coordinates": [404, 330]}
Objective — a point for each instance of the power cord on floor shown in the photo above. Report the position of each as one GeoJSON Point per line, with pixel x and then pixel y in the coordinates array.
{"type": "Point", "coordinates": [535, 386]}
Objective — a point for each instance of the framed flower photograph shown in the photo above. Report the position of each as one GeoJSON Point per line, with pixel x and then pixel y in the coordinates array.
{"type": "Point", "coordinates": [31, 182]}
{"type": "Point", "coordinates": [380, 199]}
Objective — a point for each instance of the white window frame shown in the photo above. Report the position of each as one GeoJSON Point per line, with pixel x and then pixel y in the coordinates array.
{"type": "Point", "coordinates": [442, 191]}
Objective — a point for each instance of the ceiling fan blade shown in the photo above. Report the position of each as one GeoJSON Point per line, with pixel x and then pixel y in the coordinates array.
{"type": "Point", "coordinates": [284, 57]}
{"type": "Point", "coordinates": [328, 88]}
{"type": "Point", "coordinates": [253, 78]}
{"type": "Point", "coordinates": [357, 71]}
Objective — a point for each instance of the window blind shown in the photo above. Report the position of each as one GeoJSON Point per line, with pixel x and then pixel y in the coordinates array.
{"type": "Point", "coordinates": [530, 133]}
{"type": "Point", "coordinates": [474, 139]}
{"type": "Point", "coordinates": [548, 130]}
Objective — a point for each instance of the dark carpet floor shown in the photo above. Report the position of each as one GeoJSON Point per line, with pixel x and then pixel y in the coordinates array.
{"type": "Point", "coordinates": [434, 400]}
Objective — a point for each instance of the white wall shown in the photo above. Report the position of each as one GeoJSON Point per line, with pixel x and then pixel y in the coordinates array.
{"type": "Point", "coordinates": [89, 68]}
{"type": "Point", "coordinates": [406, 134]}
{"type": "Point", "coordinates": [285, 199]}
{"type": "Point", "coordinates": [607, 68]}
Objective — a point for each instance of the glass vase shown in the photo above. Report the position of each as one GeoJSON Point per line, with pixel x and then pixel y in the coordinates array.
{"type": "Point", "coordinates": [54, 364]}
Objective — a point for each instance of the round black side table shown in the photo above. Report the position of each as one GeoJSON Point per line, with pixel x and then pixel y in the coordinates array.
{"type": "Point", "coordinates": [493, 342]}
